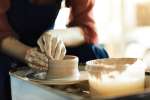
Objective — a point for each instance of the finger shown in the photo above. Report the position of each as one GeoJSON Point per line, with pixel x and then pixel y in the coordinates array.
{"type": "Point", "coordinates": [44, 45]}
{"type": "Point", "coordinates": [47, 46]}
{"type": "Point", "coordinates": [38, 59]}
{"type": "Point", "coordinates": [28, 59]}
{"type": "Point", "coordinates": [40, 43]}
{"type": "Point", "coordinates": [37, 67]}
{"type": "Point", "coordinates": [63, 53]}
{"type": "Point", "coordinates": [29, 54]}
{"type": "Point", "coordinates": [58, 51]}
{"type": "Point", "coordinates": [54, 45]}
{"type": "Point", "coordinates": [41, 56]}
{"type": "Point", "coordinates": [37, 62]}
{"type": "Point", "coordinates": [34, 53]}
{"type": "Point", "coordinates": [44, 58]}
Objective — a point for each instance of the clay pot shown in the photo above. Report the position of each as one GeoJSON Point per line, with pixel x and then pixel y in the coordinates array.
{"type": "Point", "coordinates": [68, 67]}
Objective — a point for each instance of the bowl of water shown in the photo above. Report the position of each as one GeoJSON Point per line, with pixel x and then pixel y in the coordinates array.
{"type": "Point", "coordinates": [115, 76]}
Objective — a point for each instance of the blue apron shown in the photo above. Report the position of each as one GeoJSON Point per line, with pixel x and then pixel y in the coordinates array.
{"type": "Point", "coordinates": [29, 21]}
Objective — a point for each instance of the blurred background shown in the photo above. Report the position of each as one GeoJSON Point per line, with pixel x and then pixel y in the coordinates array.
{"type": "Point", "coordinates": [123, 26]}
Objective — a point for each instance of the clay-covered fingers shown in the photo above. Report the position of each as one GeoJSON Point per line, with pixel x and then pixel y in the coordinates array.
{"type": "Point", "coordinates": [60, 51]}
{"type": "Point", "coordinates": [38, 67]}
{"type": "Point", "coordinates": [41, 43]}
{"type": "Point", "coordinates": [48, 44]}
{"type": "Point", "coordinates": [54, 45]}
{"type": "Point", "coordinates": [44, 43]}
{"type": "Point", "coordinates": [35, 54]}
{"type": "Point", "coordinates": [36, 59]}
{"type": "Point", "coordinates": [63, 52]}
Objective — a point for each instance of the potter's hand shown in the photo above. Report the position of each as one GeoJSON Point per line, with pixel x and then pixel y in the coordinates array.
{"type": "Point", "coordinates": [36, 59]}
{"type": "Point", "coordinates": [52, 46]}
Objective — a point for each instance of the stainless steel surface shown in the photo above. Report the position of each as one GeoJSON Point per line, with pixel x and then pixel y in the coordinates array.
{"type": "Point", "coordinates": [26, 90]}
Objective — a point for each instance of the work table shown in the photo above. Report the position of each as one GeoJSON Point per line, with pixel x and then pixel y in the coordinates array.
{"type": "Point", "coordinates": [23, 89]}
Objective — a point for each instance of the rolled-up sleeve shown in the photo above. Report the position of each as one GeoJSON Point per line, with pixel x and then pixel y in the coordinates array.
{"type": "Point", "coordinates": [5, 29]}
{"type": "Point", "coordinates": [81, 15]}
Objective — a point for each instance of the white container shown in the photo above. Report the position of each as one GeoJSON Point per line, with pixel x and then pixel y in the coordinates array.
{"type": "Point", "coordinates": [116, 76]}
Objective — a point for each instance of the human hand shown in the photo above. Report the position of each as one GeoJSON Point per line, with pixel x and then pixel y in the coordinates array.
{"type": "Point", "coordinates": [36, 59]}
{"type": "Point", "coordinates": [52, 45]}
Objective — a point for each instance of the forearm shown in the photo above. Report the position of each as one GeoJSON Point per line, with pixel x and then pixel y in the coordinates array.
{"type": "Point", "coordinates": [72, 36]}
{"type": "Point", "coordinates": [13, 47]}
{"type": "Point", "coordinates": [81, 15]}
{"type": "Point", "coordinates": [8, 43]}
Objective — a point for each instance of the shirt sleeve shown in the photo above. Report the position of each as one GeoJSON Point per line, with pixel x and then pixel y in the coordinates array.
{"type": "Point", "coordinates": [5, 29]}
{"type": "Point", "coordinates": [82, 15]}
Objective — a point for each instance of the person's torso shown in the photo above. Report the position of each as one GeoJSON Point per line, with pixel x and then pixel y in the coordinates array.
{"type": "Point", "coordinates": [29, 20]}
